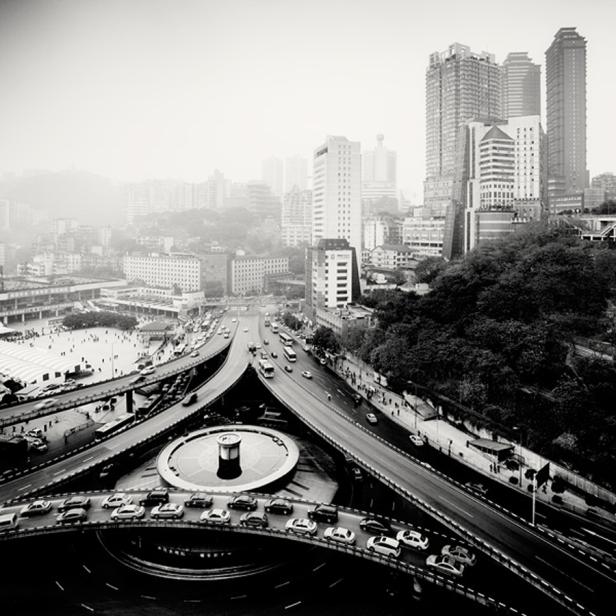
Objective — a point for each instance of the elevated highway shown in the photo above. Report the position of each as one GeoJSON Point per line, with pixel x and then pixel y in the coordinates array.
{"type": "Point", "coordinates": [411, 562]}
{"type": "Point", "coordinates": [576, 584]}
{"type": "Point", "coordinates": [17, 413]}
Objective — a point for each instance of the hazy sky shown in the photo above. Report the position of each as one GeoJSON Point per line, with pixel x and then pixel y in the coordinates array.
{"type": "Point", "coordinates": [174, 88]}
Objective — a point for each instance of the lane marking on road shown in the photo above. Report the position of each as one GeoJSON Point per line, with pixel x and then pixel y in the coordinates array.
{"type": "Point", "coordinates": [59, 586]}
{"type": "Point", "coordinates": [88, 459]}
{"type": "Point", "coordinates": [238, 597]}
{"type": "Point", "coordinates": [592, 532]}
{"type": "Point", "coordinates": [335, 583]}
{"type": "Point", "coordinates": [111, 586]}
{"type": "Point", "coordinates": [288, 607]}
{"type": "Point", "coordinates": [24, 487]}
{"type": "Point", "coordinates": [86, 569]}
{"type": "Point", "coordinates": [545, 562]}
{"type": "Point", "coordinates": [58, 472]}
{"type": "Point", "coordinates": [470, 515]}
{"type": "Point", "coordinates": [282, 584]}
{"type": "Point", "coordinates": [319, 567]}
{"type": "Point", "coordinates": [148, 597]}
{"type": "Point", "coordinates": [86, 607]}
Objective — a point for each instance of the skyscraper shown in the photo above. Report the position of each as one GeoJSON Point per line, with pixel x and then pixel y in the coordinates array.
{"type": "Point", "coordinates": [565, 73]}
{"type": "Point", "coordinates": [378, 173]}
{"type": "Point", "coordinates": [296, 217]}
{"type": "Point", "coordinates": [521, 86]}
{"type": "Point", "coordinates": [461, 85]}
{"type": "Point", "coordinates": [336, 194]}
{"type": "Point", "coordinates": [271, 174]}
{"type": "Point", "coordinates": [295, 173]}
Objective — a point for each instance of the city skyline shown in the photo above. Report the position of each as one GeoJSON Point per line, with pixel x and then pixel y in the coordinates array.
{"type": "Point", "coordinates": [164, 103]}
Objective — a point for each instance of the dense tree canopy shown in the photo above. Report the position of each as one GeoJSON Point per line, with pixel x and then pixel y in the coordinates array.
{"type": "Point", "coordinates": [99, 319]}
{"type": "Point", "coordinates": [324, 339]}
{"type": "Point", "coordinates": [496, 334]}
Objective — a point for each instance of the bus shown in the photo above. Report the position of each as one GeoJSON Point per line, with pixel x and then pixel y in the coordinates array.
{"type": "Point", "coordinates": [285, 339]}
{"type": "Point", "coordinates": [266, 369]}
{"type": "Point", "coordinates": [274, 328]}
{"type": "Point", "coordinates": [289, 353]}
{"type": "Point", "coordinates": [179, 350]}
{"type": "Point", "coordinates": [113, 426]}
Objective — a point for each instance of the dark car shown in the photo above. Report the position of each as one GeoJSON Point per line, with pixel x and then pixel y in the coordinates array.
{"type": "Point", "coordinates": [324, 513]}
{"type": "Point", "coordinates": [279, 505]}
{"type": "Point", "coordinates": [288, 368]}
{"type": "Point", "coordinates": [254, 519]}
{"type": "Point", "coordinates": [244, 502]}
{"type": "Point", "coordinates": [157, 496]}
{"type": "Point", "coordinates": [74, 502]}
{"type": "Point", "coordinates": [274, 354]}
{"type": "Point", "coordinates": [375, 526]}
{"type": "Point", "coordinates": [199, 500]}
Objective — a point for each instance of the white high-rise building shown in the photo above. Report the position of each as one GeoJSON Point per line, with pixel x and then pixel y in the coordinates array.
{"type": "Point", "coordinates": [295, 173]}
{"type": "Point", "coordinates": [336, 194]}
{"type": "Point", "coordinates": [296, 218]}
{"type": "Point", "coordinates": [271, 174]}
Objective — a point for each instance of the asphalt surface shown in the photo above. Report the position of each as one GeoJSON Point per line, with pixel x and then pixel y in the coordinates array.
{"type": "Point", "coordinates": [307, 398]}
{"type": "Point", "coordinates": [16, 413]}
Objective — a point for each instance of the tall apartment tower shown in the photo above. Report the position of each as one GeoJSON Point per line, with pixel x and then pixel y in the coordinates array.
{"type": "Point", "coordinates": [336, 193]}
{"type": "Point", "coordinates": [271, 174]}
{"type": "Point", "coordinates": [295, 174]}
{"type": "Point", "coordinates": [461, 86]}
{"type": "Point", "coordinates": [521, 86]}
{"type": "Point", "coordinates": [565, 73]}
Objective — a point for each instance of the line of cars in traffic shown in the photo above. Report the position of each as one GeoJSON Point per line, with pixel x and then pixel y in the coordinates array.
{"type": "Point", "coordinates": [383, 540]}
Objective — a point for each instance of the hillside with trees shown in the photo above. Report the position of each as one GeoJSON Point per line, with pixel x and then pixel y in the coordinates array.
{"type": "Point", "coordinates": [496, 334]}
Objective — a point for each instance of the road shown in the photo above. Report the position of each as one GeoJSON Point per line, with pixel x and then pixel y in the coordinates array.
{"type": "Point", "coordinates": [521, 543]}
{"type": "Point", "coordinates": [16, 413]}
{"type": "Point", "coordinates": [231, 371]}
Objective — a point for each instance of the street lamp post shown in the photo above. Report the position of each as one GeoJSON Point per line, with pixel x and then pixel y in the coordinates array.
{"type": "Point", "coordinates": [518, 431]}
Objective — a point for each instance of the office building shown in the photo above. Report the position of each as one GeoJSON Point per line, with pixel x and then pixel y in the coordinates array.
{"type": "Point", "coordinates": [295, 174]}
{"type": "Point", "coordinates": [271, 174]}
{"type": "Point", "coordinates": [250, 275]}
{"type": "Point", "coordinates": [336, 194]}
{"type": "Point", "coordinates": [379, 230]}
{"type": "Point", "coordinates": [392, 257]}
{"type": "Point", "coordinates": [164, 270]}
{"type": "Point", "coordinates": [521, 89]}
{"type": "Point", "coordinates": [461, 86]}
{"type": "Point", "coordinates": [424, 236]}
{"type": "Point", "coordinates": [378, 174]}
{"type": "Point", "coordinates": [296, 218]}
{"type": "Point", "coordinates": [565, 74]}
{"type": "Point", "coordinates": [607, 183]}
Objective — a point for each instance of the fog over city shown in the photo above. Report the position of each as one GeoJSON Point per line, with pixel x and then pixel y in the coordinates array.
{"type": "Point", "coordinates": [307, 308]}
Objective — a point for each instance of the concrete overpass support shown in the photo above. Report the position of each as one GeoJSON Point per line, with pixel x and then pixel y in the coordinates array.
{"type": "Point", "coordinates": [129, 401]}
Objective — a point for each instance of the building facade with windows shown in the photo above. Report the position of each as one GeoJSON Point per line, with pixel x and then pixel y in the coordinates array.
{"type": "Point", "coordinates": [249, 275]}
{"type": "Point", "coordinates": [165, 270]}
{"type": "Point", "coordinates": [424, 236]}
{"type": "Point", "coordinates": [521, 90]}
{"type": "Point", "coordinates": [296, 218]}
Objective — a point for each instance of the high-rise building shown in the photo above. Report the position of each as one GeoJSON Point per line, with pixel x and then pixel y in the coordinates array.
{"type": "Point", "coordinates": [295, 173]}
{"type": "Point", "coordinates": [521, 86]}
{"type": "Point", "coordinates": [271, 174]}
{"type": "Point", "coordinates": [336, 194]}
{"type": "Point", "coordinates": [461, 86]}
{"type": "Point", "coordinates": [565, 75]}
{"type": "Point", "coordinates": [378, 174]}
{"type": "Point", "coordinates": [296, 218]}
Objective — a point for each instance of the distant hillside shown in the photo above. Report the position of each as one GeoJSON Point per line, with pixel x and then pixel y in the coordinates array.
{"type": "Point", "coordinates": [92, 199]}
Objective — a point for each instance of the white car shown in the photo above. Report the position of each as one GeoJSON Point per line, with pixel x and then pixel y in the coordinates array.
{"type": "Point", "coordinates": [460, 554]}
{"type": "Point", "coordinates": [215, 517]}
{"type": "Point", "coordinates": [371, 418]}
{"type": "Point", "coordinates": [128, 512]}
{"type": "Point", "coordinates": [116, 500]}
{"type": "Point", "coordinates": [45, 404]}
{"type": "Point", "coordinates": [384, 545]}
{"type": "Point", "coordinates": [412, 539]}
{"type": "Point", "coordinates": [173, 511]}
{"type": "Point", "coordinates": [301, 526]}
{"type": "Point", "coordinates": [307, 374]}
{"type": "Point", "coordinates": [245, 330]}
{"type": "Point", "coordinates": [416, 440]}
{"type": "Point", "coordinates": [340, 535]}
{"type": "Point", "coordinates": [195, 354]}
{"type": "Point", "coordinates": [148, 370]}
{"type": "Point", "coordinates": [233, 320]}
{"type": "Point", "coordinates": [37, 507]}
{"type": "Point", "coordinates": [445, 564]}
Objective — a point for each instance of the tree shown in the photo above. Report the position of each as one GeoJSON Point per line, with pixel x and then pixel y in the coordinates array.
{"type": "Point", "coordinates": [324, 339]}
{"type": "Point", "coordinates": [291, 321]}
{"type": "Point", "coordinates": [398, 278]}
{"type": "Point", "coordinates": [429, 268]}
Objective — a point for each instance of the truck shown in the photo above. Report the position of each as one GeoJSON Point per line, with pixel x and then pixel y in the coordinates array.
{"type": "Point", "coordinates": [13, 449]}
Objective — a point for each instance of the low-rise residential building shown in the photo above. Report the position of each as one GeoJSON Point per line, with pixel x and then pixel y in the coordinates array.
{"type": "Point", "coordinates": [249, 275]}
{"type": "Point", "coordinates": [392, 256]}
{"type": "Point", "coordinates": [342, 321]}
{"type": "Point", "coordinates": [165, 270]}
{"type": "Point", "coordinates": [424, 235]}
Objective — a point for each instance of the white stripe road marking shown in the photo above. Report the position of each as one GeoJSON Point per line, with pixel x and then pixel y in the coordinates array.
{"type": "Point", "coordinates": [86, 569]}
{"type": "Point", "coordinates": [282, 584]}
{"type": "Point", "coordinates": [335, 583]}
{"type": "Point", "coordinates": [545, 562]}
{"type": "Point", "coordinates": [287, 607]}
{"type": "Point", "coordinates": [24, 487]}
{"type": "Point", "coordinates": [319, 567]}
{"type": "Point", "coordinates": [111, 586]}
{"type": "Point", "coordinates": [470, 515]}
{"type": "Point", "coordinates": [87, 459]}
{"type": "Point", "coordinates": [59, 585]}
{"type": "Point", "coordinates": [87, 607]}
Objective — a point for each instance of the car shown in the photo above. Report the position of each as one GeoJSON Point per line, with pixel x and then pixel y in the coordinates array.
{"type": "Point", "coordinates": [226, 336]}
{"type": "Point", "coordinates": [190, 399]}
{"type": "Point", "coordinates": [274, 354]}
{"type": "Point", "coordinates": [233, 320]}
{"type": "Point", "coordinates": [479, 488]}
{"type": "Point", "coordinates": [384, 545]}
{"type": "Point", "coordinates": [279, 505]}
{"type": "Point", "coordinates": [69, 516]}
{"type": "Point", "coordinates": [157, 496]}
{"type": "Point", "coordinates": [371, 418]}
{"type": "Point", "coordinates": [324, 513]}
{"type": "Point", "coordinates": [195, 354]}
{"type": "Point", "coordinates": [307, 374]}
{"type": "Point", "coordinates": [445, 564]}
{"type": "Point", "coordinates": [265, 341]}
{"type": "Point", "coordinates": [116, 500]}
{"type": "Point", "coordinates": [39, 446]}
{"type": "Point", "coordinates": [340, 534]}
{"type": "Point", "coordinates": [375, 526]}
{"type": "Point", "coordinates": [215, 517]}
{"type": "Point", "coordinates": [244, 502]}
{"type": "Point", "coordinates": [37, 433]}
{"type": "Point", "coordinates": [137, 379]}
{"type": "Point", "coordinates": [254, 519]}
{"type": "Point", "coordinates": [37, 507]}
{"type": "Point", "coordinates": [263, 355]}
{"type": "Point", "coordinates": [74, 502]}
{"type": "Point", "coordinates": [245, 330]}
{"type": "Point", "coordinates": [172, 511]}
{"type": "Point", "coordinates": [148, 370]}
{"type": "Point", "coordinates": [412, 539]}
{"type": "Point", "coordinates": [258, 346]}
{"type": "Point", "coordinates": [44, 404]}
{"type": "Point", "coordinates": [460, 554]}
{"type": "Point", "coordinates": [301, 526]}
{"type": "Point", "coordinates": [288, 368]}
{"type": "Point", "coordinates": [128, 512]}
{"type": "Point", "coordinates": [416, 440]}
